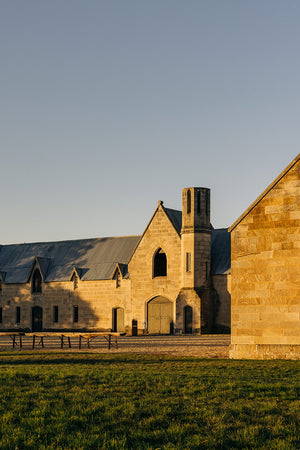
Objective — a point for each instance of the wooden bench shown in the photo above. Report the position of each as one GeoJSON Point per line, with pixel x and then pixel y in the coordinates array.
{"type": "Point", "coordinates": [13, 335]}
{"type": "Point", "coordinates": [85, 335]}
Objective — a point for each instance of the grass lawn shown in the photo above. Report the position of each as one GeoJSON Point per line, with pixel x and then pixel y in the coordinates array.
{"type": "Point", "coordinates": [89, 401]}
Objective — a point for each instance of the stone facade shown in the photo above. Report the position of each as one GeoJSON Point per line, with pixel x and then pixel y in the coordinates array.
{"type": "Point", "coordinates": [160, 282]}
{"type": "Point", "coordinates": [265, 272]}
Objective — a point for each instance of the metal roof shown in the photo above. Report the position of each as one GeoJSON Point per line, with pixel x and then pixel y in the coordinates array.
{"type": "Point", "coordinates": [96, 258]}
{"type": "Point", "coordinates": [220, 251]}
{"type": "Point", "coordinates": [93, 259]}
{"type": "Point", "coordinates": [176, 218]}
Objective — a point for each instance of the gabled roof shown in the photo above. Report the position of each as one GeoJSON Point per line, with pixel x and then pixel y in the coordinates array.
{"type": "Point", "coordinates": [172, 215]}
{"type": "Point", "coordinates": [43, 264]}
{"type": "Point", "coordinates": [97, 258]}
{"type": "Point", "coordinates": [122, 268]}
{"type": "Point", "coordinates": [175, 217]}
{"type": "Point", "coordinates": [220, 241]}
{"type": "Point", "coordinates": [265, 192]}
{"type": "Point", "coordinates": [77, 271]}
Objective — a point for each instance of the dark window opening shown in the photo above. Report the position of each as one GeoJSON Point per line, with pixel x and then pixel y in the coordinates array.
{"type": "Point", "coordinates": [75, 314]}
{"type": "Point", "coordinates": [18, 314]}
{"type": "Point", "coordinates": [207, 269]}
{"type": "Point", "coordinates": [0, 314]}
{"type": "Point", "coordinates": [188, 202]}
{"type": "Point", "coordinates": [75, 281]}
{"type": "Point", "coordinates": [55, 314]}
{"type": "Point", "coordinates": [207, 203]}
{"type": "Point", "coordinates": [117, 277]}
{"type": "Point", "coordinates": [37, 282]}
{"type": "Point", "coordinates": [0, 286]}
{"type": "Point", "coordinates": [198, 202]}
{"type": "Point", "coordinates": [160, 264]}
{"type": "Point", "coordinates": [188, 319]}
{"type": "Point", "coordinates": [188, 262]}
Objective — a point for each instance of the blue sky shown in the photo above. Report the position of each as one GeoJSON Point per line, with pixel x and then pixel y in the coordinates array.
{"type": "Point", "coordinates": [109, 106]}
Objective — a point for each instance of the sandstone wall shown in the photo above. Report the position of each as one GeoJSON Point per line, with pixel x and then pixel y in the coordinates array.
{"type": "Point", "coordinates": [159, 234]}
{"type": "Point", "coordinates": [265, 275]}
{"type": "Point", "coordinates": [95, 300]}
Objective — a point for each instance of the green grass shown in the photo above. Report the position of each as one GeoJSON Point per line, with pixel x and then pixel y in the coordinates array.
{"type": "Point", "coordinates": [90, 401]}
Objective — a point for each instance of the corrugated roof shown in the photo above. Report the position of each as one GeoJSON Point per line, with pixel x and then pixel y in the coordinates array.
{"type": "Point", "coordinates": [176, 218]}
{"type": "Point", "coordinates": [93, 259]}
{"type": "Point", "coordinates": [220, 251]}
{"type": "Point", "coordinates": [97, 258]}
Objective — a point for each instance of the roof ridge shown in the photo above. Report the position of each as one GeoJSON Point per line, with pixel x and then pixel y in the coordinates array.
{"type": "Point", "coordinates": [70, 240]}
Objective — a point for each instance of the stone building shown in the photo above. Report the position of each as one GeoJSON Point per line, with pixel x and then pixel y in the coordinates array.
{"type": "Point", "coordinates": [265, 272]}
{"type": "Point", "coordinates": [173, 278]}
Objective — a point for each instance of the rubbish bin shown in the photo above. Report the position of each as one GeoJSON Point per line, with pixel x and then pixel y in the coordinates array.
{"type": "Point", "coordinates": [134, 327]}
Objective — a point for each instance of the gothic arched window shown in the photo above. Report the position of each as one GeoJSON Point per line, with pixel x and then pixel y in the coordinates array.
{"type": "Point", "coordinates": [36, 282]}
{"type": "Point", "coordinates": [160, 264]}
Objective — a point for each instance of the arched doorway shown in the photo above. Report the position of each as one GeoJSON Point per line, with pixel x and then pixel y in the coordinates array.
{"type": "Point", "coordinates": [188, 319]}
{"type": "Point", "coordinates": [160, 316]}
{"type": "Point", "coordinates": [118, 319]}
{"type": "Point", "coordinates": [37, 318]}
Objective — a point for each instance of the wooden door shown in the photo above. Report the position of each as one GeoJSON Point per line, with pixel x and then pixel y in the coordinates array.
{"type": "Point", "coordinates": [188, 319]}
{"type": "Point", "coordinates": [118, 319]}
{"type": "Point", "coordinates": [37, 318]}
{"type": "Point", "coordinates": [160, 316]}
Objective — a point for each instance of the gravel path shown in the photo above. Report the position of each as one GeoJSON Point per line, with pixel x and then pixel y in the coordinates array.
{"type": "Point", "coordinates": [205, 346]}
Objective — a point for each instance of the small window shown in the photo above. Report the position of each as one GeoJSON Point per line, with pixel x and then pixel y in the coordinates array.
{"type": "Point", "coordinates": [207, 203]}
{"type": "Point", "coordinates": [160, 264]}
{"type": "Point", "coordinates": [0, 314]}
{"type": "Point", "coordinates": [188, 262]}
{"type": "Point", "coordinates": [75, 314]}
{"type": "Point", "coordinates": [206, 269]}
{"type": "Point", "coordinates": [18, 314]}
{"type": "Point", "coordinates": [36, 282]}
{"type": "Point", "coordinates": [117, 277]}
{"type": "Point", "coordinates": [55, 314]}
{"type": "Point", "coordinates": [0, 286]}
{"type": "Point", "coordinates": [198, 202]}
{"type": "Point", "coordinates": [188, 202]}
{"type": "Point", "coordinates": [75, 282]}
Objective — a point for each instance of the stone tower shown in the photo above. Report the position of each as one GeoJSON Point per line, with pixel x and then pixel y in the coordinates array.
{"type": "Point", "coordinates": [195, 237]}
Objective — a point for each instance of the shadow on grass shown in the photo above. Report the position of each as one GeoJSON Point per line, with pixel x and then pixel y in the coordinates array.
{"type": "Point", "coordinates": [86, 359]}
{"type": "Point", "coordinates": [116, 360]}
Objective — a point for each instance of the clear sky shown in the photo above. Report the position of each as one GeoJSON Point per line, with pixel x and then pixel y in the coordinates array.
{"type": "Point", "coordinates": [107, 106]}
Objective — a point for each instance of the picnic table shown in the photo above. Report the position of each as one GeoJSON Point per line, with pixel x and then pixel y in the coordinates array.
{"type": "Point", "coordinates": [13, 335]}
{"type": "Point", "coordinates": [88, 336]}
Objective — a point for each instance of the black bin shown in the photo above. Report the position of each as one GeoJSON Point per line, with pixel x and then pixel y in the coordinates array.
{"type": "Point", "coordinates": [134, 327]}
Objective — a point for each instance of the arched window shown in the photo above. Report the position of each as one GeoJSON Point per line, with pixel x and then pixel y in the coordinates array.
{"type": "Point", "coordinates": [160, 264]}
{"type": "Point", "coordinates": [36, 282]}
{"type": "Point", "coordinates": [188, 202]}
